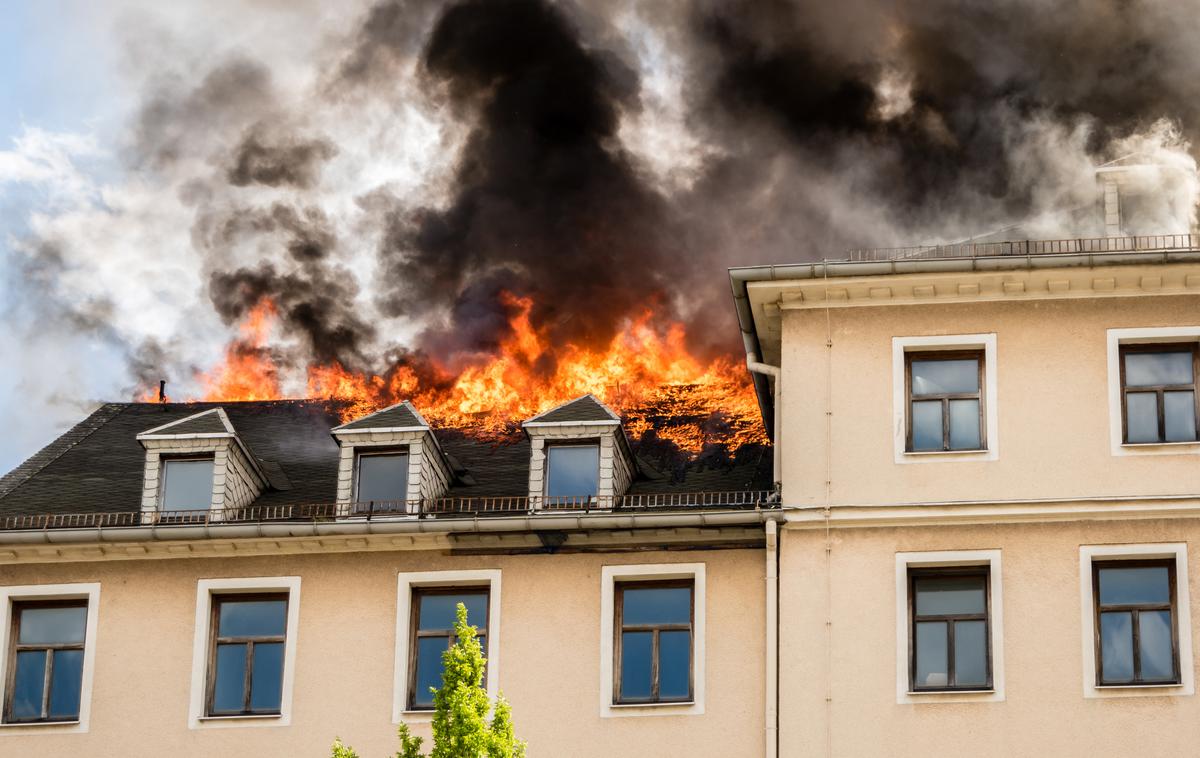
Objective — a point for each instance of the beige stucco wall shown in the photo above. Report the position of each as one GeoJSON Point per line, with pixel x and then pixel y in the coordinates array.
{"type": "Point", "coordinates": [1044, 712]}
{"type": "Point", "coordinates": [1053, 403]}
{"type": "Point", "coordinates": [550, 627]}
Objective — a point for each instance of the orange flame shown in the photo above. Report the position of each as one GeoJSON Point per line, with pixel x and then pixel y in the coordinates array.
{"type": "Point", "coordinates": [248, 372]}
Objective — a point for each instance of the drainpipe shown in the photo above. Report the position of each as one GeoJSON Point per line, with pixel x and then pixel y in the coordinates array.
{"type": "Point", "coordinates": [771, 715]}
{"type": "Point", "coordinates": [772, 372]}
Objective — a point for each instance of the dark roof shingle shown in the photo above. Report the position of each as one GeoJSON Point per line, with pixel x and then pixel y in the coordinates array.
{"type": "Point", "coordinates": [586, 408]}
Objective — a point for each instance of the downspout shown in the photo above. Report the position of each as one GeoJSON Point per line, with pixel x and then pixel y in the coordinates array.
{"type": "Point", "coordinates": [771, 715]}
{"type": "Point", "coordinates": [772, 372]}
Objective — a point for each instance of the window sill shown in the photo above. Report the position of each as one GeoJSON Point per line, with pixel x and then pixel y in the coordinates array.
{"type": "Point", "coordinates": [1184, 444]}
{"type": "Point", "coordinates": [920, 693]}
{"type": "Point", "coordinates": [243, 717]}
{"type": "Point", "coordinates": [982, 451]}
{"type": "Point", "coordinates": [1164, 686]}
{"type": "Point", "coordinates": [677, 704]}
{"type": "Point", "coordinates": [37, 724]}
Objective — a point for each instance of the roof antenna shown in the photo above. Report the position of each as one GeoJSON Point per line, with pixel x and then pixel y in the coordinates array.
{"type": "Point", "coordinates": [162, 390]}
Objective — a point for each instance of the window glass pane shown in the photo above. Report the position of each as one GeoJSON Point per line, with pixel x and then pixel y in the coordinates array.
{"type": "Point", "coordinates": [429, 668]}
{"type": "Point", "coordinates": [382, 477]}
{"type": "Point", "coordinates": [1141, 584]}
{"type": "Point", "coordinates": [439, 611]}
{"type": "Point", "coordinates": [674, 664]}
{"type": "Point", "coordinates": [931, 377]}
{"type": "Point", "coordinates": [927, 425]}
{"type": "Point", "coordinates": [52, 625]}
{"type": "Point", "coordinates": [931, 650]}
{"type": "Point", "coordinates": [573, 470]}
{"type": "Point", "coordinates": [30, 677]}
{"type": "Point", "coordinates": [1116, 646]}
{"type": "Point", "coordinates": [65, 683]}
{"type": "Point", "coordinates": [636, 649]}
{"type": "Point", "coordinates": [1141, 417]}
{"type": "Point", "coordinates": [1179, 411]}
{"type": "Point", "coordinates": [1150, 369]}
{"type": "Point", "coordinates": [266, 687]}
{"type": "Point", "coordinates": [964, 425]}
{"type": "Point", "coordinates": [252, 618]}
{"type": "Point", "coordinates": [656, 605]}
{"type": "Point", "coordinates": [1154, 643]}
{"type": "Point", "coordinates": [229, 679]}
{"type": "Point", "coordinates": [187, 485]}
{"type": "Point", "coordinates": [970, 654]}
{"type": "Point", "coordinates": [940, 595]}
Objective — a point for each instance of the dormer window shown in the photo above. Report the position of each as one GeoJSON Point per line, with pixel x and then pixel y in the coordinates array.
{"type": "Point", "coordinates": [382, 478]}
{"type": "Point", "coordinates": [573, 471]}
{"type": "Point", "coordinates": [187, 484]}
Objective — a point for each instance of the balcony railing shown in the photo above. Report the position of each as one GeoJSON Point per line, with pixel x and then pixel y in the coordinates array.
{"type": "Point", "coordinates": [441, 508]}
{"type": "Point", "coordinates": [1138, 244]}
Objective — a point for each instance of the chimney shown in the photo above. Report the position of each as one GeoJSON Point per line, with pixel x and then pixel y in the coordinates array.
{"type": "Point", "coordinates": [162, 390]}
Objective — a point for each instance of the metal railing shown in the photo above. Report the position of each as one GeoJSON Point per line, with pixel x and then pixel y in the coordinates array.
{"type": "Point", "coordinates": [1138, 244]}
{"type": "Point", "coordinates": [448, 508]}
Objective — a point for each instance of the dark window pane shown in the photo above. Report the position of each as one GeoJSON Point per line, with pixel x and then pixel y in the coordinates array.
{"type": "Point", "coordinates": [1150, 369]}
{"type": "Point", "coordinates": [52, 625]}
{"type": "Point", "coordinates": [266, 688]}
{"type": "Point", "coordinates": [674, 664]}
{"type": "Point", "coordinates": [65, 683]}
{"type": "Point", "coordinates": [1154, 642]}
{"type": "Point", "coordinates": [945, 377]}
{"type": "Point", "coordinates": [656, 605]}
{"type": "Point", "coordinates": [1179, 409]}
{"type": "Point", "coordinates": [429, 667]}
{"type": "Point", "coordinates": [439, 611]}
{"type": "Point", "coordinates": [970, 654]}
{"type": "Point", "coordinates": [1141, 417]}
{"type": "Point", "coordinates": [252, 618]}
{"type": "Point", "coordinates": [932, 669]}
{"type": "Point", "coordinates": [1140, 584]}
{"type": "Point", "coordinates": [382, 477]}
{"type": "Point", "coordinates": [940, 595]}
{"type": "Point", "coordinates": [230, 678]}
{"type": "Point", "coordinates": [927, 425]}
{"type": "Point", "coordinates": [1116, 646]}
{"type": "Point", "coordinates": [636, 649]}
{"type": "Point", "coordinates": [30, 677]}
{"type": "Point", "coordinates": [187, 485]}
{"type": "Point", "coordinates": [573, 470]}
{"type": "Point", "coordinates": [964, 425]}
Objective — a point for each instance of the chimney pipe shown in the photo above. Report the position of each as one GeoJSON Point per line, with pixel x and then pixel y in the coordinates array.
{"type": "Point", "coordinates": [162, 390]}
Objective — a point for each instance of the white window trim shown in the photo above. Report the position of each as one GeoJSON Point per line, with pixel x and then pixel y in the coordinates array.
{"type": "Point", "coordinates": [902, 345]}
{"type": "Point", "coordinates": [406, 583]}
{"type": "Point", "coordinates": [205, 589]}
{"type": "Point", "coordinates": [989, 558]}
{"type": "Point", "coordinates": [1149, 335]}
{"type": "Point", "coordinates": [609, 576]}
{"type": "Point", "coordinates": [83, 591]}
{"type": "Point", "coordinates": [1183, 612]}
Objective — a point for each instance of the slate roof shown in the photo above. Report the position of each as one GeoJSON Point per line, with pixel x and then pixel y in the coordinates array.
{"type": "Point", "coordinates": [400, 416]}
{"type": "Point", "coordinates": [204, 422]}
{"type": "Point", "coordinates": [586, 408]}
{"type": "Point", "coordinates": [96, 467]}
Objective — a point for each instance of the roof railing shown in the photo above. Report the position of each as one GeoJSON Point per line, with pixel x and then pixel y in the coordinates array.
{"type": "Point", "coordinates": [441, 508]}
{"type": "Point", "coordinates": [1132, 244]}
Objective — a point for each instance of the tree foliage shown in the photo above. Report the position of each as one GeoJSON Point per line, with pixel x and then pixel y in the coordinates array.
{"type": "Point", "coordinates": [460, 708]}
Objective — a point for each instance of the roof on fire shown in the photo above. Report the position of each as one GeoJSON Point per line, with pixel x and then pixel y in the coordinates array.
{"type": "Point", "coordinates": [97, 466]}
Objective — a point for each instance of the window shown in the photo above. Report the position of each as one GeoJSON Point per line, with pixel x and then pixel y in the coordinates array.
{"type": "Point", "coordinates": [382, 478]}
{"type": "Point", "coordinates": [572, 471]}
{"type": "Point", "coordinates": [1158, 391]}
{"type": "Point", "coordinates": [187, 484]}
{"type": "Point", "coordinates": [246, 659]}
{"type": "Point", "coordinates": [1135, 613]}
{"type": "Point", "coordinates": [949, 634]}
{"type": "Point", "coordinates": [46, 661]}
{"type": "Point", "coordinates": [434, 613]}
{"type": "Point", "coordinates": [653, 647]}
{"type": "Point", "coordinates": [945, 400]}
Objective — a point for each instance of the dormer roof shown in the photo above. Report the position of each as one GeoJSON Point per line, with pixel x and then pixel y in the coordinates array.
{"type": "Point", "coordinates": [401, 417]}
{"type": "Point", "coordinates": [210, 423]}
{"type": "Point", "coordinates": [582, 410]}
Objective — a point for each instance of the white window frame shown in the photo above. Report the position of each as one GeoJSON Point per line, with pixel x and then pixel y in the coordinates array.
{"type": "Point", "coordinates": [406, 583]}
{"type": "Point", "coordinates": [940, 559]}
{"type": "Point", "coordinates": [82, 591]}
{"type": "Point", "coordinates": [205, 590]}
{"type": "Point", "coordinates": [903, 345]}
{"type": "Point", "coordinates": [609, 576]}
{"type": "Point", "coordinates": [1183, 611]}
{"type": "Point", "coordinates": [1144, 336]}
{"type": "Point", "coordinates": [383, 450]}
{"type": "Point", "coordinates": [564, 443]}
{"type": "Point", "coordinates": [164, 463]}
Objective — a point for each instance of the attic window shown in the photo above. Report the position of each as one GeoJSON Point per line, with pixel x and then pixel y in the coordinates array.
{"type": "Point", "coordinates": [572, 471]}
{"type": "Point", "coordinates": [382, 478]}
{"type": "Point", "coordinates": [187, 484]}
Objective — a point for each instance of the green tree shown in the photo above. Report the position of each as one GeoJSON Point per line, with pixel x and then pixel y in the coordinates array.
{"type": "Point", "coordinates": [460, 708]}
